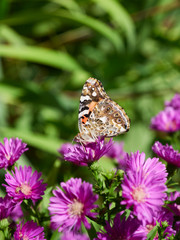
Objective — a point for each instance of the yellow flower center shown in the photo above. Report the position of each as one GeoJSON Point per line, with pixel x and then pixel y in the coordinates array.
{"type": "Point", "coordinates": [139, 194]}
{"type": "Point", "coordinates": [171, 125]}
{"type": "Point", "coordinates": [24, 188]}
{"type": "Point", "coordinates": [23, 237]}
{"type": "Point", "coordinates": [76, 208]}
{"type": "Point", "coordinates": [8, 157]}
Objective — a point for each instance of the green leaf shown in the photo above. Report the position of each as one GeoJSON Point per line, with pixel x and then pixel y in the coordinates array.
{"type": "Point", "coordinates": [10, 93]}
{"type": "Point", "coordinates": [4, 223]}
{"type": "Point", "coordinates": [125, 214]}
{"type": "Point", "coordinates": [70, 4]}
{"type": "Point", "coordinates": [75, 16]}
{"type": "Point", "coordinates": [55, 235]}
{"type": "Point", "coordinates": [40, 55]}
{"type": "Point", "coordinates": [4, 6]}
{"type": "Point", "coordinates": [151, 235]}
{"type": "Point", "coordinates": [9, 35]}
{"type": "Point", "coordinates": [96, 25]}
{"type": "Point", "coordinates": [40, 141]}
{"type": "Point", "coordinates": [2, 235]}
{"type": "Point", "coordinates": [121, 17]}
{"type": "Point", "coordinates": [92, 232]}
{"type": "Point", "coordinates": [24, 17]}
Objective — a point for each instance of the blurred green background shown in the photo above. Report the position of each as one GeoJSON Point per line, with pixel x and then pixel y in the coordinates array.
{"type": "Point", "coordinates": [48, 48]}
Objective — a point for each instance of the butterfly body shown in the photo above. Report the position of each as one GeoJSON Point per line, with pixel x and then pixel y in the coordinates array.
{"type": "Point", "coordinates": [98, 114]}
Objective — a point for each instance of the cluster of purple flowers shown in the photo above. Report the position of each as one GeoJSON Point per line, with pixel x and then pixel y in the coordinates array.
{"type": "Point", "coordinates": [21, 184]}
{"type": "Point", "coordinates": [168, 120]}
{"type": "Point", "coordinates": [143, 189]}
{"type": "Point", "coordinates": [167, 153]}
{"type": "Point", "coordinates": [83, 155]}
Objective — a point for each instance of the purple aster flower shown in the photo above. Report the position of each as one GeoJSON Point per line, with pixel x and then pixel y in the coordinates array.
{"type": "Point", "coordinates": [16, 213]}
{"type": "Point", "coordinates": [74, 236]}
{"type": "Point", "coordinates": [143, 186]}
{"type": "Point", "coordinates": [167, 120]}
{"type": "Point", "coordinates": [122, 229]}
{"type": "Point", "coordinates": [160, 216]}
{"type": "Point", "coordinates": [69, 208]}
{"type": "Point", "coordinates": [6, 207]}
{"type": "Point", "coordinates": [23, 184]}
{"type": "Point", "coordinates": [177, 226]}
{"type": "Point", "coordinates": [64, 148]}
{"type": "Point", "coordinates": [175, 208]}
{"type": "Point", "coordinates": [167, 153]}
{"type": "Point", "coordinates": [29, 230]}
{"type": "Point", "coordinates": [117, 152]}
{"type": "Point", "coordinates": [175, 102]}
{"type": "Point", "coordinates": [85, 154]}
{"type": "Point", "coordinates": [11, 151]}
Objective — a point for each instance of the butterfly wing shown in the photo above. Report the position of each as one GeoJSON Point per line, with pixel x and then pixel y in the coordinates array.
{"type": "Point", "coordinates": [109, 119]}
{"type": "Point", "coordinates": [92, 92]}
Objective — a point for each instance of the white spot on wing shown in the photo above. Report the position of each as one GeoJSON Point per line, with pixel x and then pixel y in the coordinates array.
{"type": "Point", "coordinates": [103, 119]}
{"type": "Point", "coordinates": [83, 113]}
{"type": "Point", "coordinates": [83, 98]}
{"type": "Point", "coordinates": [94, 94]}
{"type": "Point", "coordinates": [91, 80]}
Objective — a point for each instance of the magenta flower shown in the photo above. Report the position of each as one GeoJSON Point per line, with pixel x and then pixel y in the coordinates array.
{"type": "Point", "coordinates": [122, 229]}
{"type": "Point", "coordinates": [30, 231]}
{"type": "Point", "coordinates": [69, 208]}
{"type": "Point", "coordinates": [6, 207]}
{"type": "Point", "coordinates": [160, 216]}
{"type": "Point", "coordinates": [175, 102]}
{"type": "Point", "coordinates": [74, 236]}
{"type": "Point", "coordinates": [143, 186]}
{"type": "Point", "coordinates": [65, 148]}
{"type": "Point", "coordinates": [117, 152]}
{"type": "Point", "coordinates": [175, 208]}
{"type": "Point", "coordinates": [167, 120]}
{"type": "Point", "coordinates": [23, 184]}
{"type": "Point", "coordinates": [16, 213]}
{"type": "Point", "coordinates": [177, 226]}
{"type": "Point", "coordinates": [167, 153]}
{"type": "Point", "coordinates": [11, 151]}
{"type": "Point", "coordinates": [86, 154]}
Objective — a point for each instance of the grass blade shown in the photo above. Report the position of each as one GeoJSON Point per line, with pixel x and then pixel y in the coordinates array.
{"type": "Point", "coordinates": [96, 25]}
{"type": "Point", "coordinates": [121, 17]}
{"type": "Point", "coordinates": [40, 141]}
{"type": "Point", "coordinates": [40, 55]}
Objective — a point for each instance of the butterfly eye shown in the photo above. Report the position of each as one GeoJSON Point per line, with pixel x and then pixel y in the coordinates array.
{"type": "Point", "coordinates": [116, 115]}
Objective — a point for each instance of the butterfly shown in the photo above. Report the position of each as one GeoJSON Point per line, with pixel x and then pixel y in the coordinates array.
{"type": "Point", "coordinates": [99, 116]}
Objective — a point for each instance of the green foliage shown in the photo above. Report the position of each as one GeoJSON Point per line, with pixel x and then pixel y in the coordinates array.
{"type": "Point", "coordinates": [107, 186]}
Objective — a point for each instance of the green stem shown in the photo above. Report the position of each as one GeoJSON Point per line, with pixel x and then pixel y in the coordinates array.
{"type": "Point", "coordinates": [28, 207]}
